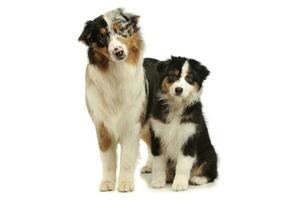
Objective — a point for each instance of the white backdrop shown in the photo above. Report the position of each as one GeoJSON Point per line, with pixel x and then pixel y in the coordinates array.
{"type": "Point", "coordinates": [48, 147]}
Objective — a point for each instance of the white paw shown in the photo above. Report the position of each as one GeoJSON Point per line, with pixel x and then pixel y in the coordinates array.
{"type": "Point", "coordinates": [158, 183]}
{"type": "Point", "coordinates": [106, 186]}
{"type": "Point", "coordinates": [125, 186]}
{"type": "Point", "coordinates": [179, 185]}
{"type": "Point", "coordinates": [198, 180]}
{"type": "Point", "coordinates": [146, 169]}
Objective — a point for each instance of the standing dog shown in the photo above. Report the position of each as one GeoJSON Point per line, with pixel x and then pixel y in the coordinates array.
{"type": "Point", "coordinates": [180, 141]}
{"type": "Point", "coordinates": [116, 92]}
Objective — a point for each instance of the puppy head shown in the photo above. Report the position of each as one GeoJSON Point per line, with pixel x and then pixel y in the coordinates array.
{"type": "Point", "coordinates": [113, 36]}
{"type": "Point", "coordinates": [181, 78]}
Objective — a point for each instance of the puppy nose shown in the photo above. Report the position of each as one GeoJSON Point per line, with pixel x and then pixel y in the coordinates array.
{"type": "Point", "coordinates": [178, 90]}
{"type": "Point", "coordinates": [118, 51]}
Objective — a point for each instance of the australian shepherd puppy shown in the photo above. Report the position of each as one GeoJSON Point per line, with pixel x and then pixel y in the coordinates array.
{"type": "Point", "coordinates": [180, 143]}
{"type": "Point", "coordinates": [116, 92]}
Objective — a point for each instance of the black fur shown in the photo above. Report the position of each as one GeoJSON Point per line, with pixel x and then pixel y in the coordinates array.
{"type": "Point", "coordinates": [91, 33]}
{"type": "Point", "coordinates": [199, 144]}
{"type": "Point", "coordinates": [152, 78]}
{"type": "Point", "coordinates": [155, 144]}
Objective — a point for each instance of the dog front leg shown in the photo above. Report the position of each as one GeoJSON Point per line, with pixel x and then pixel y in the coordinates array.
{"type": "Point", "coordinates": [183, 169]}
{"type": "Point", "coordinates": [107, 147]}
{"type": "Point", "coordinates": [128, 158]}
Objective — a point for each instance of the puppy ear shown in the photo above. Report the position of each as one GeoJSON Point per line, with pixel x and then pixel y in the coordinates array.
{"type": "Point", "coordinates": [204, 72]}
{"type": "Point", "coordinates": [201, 69]}
{"type": "Point", "coordinates": [85, 35]}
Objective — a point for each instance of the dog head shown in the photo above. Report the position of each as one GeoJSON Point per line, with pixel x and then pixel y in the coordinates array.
{"type": "Point", "coordinates": [114, 37]}
{"type": "Point", "coordinates": [181, 78]}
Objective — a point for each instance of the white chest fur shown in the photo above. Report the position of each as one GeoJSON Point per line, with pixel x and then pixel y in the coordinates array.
{"type": "Point", "coordinates": [173, 134]}
{"type": "Point", "coordinates": [115, 96]}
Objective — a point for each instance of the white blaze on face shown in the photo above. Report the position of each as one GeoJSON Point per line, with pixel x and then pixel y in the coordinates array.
{"type": "Point", "coordinates": [114, 43]}
{"type": "Point", "coordinates": [182, 83]}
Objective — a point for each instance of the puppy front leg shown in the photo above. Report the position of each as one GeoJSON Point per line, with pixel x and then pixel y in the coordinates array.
{"type": "Point", "coordinates": [128, 159]}
{"type": "Point", "coordinates": [107, 148]}
{"type": "Point", "coordinates": [183, 168]}
{"type": "Point", "coordinates": [158, 171]}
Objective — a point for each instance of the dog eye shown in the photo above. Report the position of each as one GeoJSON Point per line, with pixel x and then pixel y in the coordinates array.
{"type": "Point", "coordinates": [171, 78]}
{"type": "Point", "coordinates": [122, 21]}
{"type": "Point", "coordinates": [189, 79]}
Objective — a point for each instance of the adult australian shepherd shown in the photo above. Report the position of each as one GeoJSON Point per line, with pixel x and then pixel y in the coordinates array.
{"type": "Point", "coordinates": [116, 93]}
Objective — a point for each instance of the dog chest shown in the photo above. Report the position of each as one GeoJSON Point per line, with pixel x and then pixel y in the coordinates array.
{"type": "Point", "coordinates": [114, 100]}
{"type": "Point", "coordinates": [173, 135]}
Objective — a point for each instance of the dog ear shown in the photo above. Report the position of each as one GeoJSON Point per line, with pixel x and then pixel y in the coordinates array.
{"type": "Point", "coordinates": [201, 69]}
{"type": "Point", "coordinates": [86, 34]}
{"type": "Point", "coordinates": [134, 19]}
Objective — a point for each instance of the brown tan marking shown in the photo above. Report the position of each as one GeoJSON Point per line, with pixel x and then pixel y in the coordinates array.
{"type": "Point", "coordinates": [170, 172]}
{"type": "Point", "coordinates": [104, 139]}
{"type": "Point", "coordinates": [134, 44]}
{"type": "Point", "coordinates": [146, 136]}
{"type": "Point", "coordinates": [196, 87]}
{"type": "Point", "coordinates": [198, 170]}
{"type": "Point", "coordinates": [165, 86]}
{"type": "Point", "coordinates": [103, 30]}
{"type": "Point", "coordinates": [116, 26]}
{"type": "Point", "coordinates": [101, 56]}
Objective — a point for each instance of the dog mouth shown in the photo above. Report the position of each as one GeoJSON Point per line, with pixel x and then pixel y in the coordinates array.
{"type": "Point", "coordinates": [120, 58]}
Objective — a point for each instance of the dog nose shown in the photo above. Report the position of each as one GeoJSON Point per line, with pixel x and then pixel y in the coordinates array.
{"type": "Point", "coordinates": [118, 51]}
{"type": "Point", "coordinates": [178, 91]}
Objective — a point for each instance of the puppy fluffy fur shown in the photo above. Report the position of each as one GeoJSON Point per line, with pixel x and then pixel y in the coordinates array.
{"type": "Point", "coordinates": [180, 144]}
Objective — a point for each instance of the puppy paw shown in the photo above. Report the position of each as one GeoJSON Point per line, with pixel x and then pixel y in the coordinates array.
{"type": "Point", "coordinates": [146, 169]}
{"type": "Point", "coordinates": [158, 183]}
{"type": "Point", "coordinates": [125, 186]}
{"type": "Point", "coordinates": [106, 186]}
{"type": "Point", "coordinates": [179, 185]}
{"type": "Point", "coordinates": [198, 180]}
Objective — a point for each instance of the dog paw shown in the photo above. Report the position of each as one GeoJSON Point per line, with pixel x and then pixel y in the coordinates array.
{"type": "Point", "coordinates": [125, 186]}
{"type": "Point", "coordinates": [146, 169]}
{"type": "Point", "coordinates": [106, 186]}
{"type": "Point", "coordinates": [158, 183]}
{"type": "Point", "coordinates": [198, 180]}
{"type": "Point", "coordinates": [179, 186]}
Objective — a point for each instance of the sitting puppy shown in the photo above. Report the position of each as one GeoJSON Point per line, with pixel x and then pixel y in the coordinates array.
{"type": "Point", "coordinates": [180, 144]}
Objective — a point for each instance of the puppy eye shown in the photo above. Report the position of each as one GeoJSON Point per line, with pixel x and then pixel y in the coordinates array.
{"type": "Point", "coordinates": [171, 78]}
{"type": "Point", "coordinates": [189, 79]}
